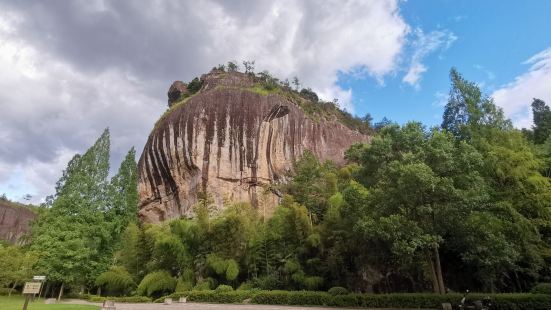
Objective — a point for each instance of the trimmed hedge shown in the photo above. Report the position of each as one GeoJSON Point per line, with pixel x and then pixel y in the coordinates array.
{"type": "Point", "coordinates": [127, 299]}
{"type": "Point", "coordinates": [525, 301]}
{"type": "Point", "coordinates": [542, 288]}
{"type": "Point", "coordinates": [501, 301]}
{"type": "Point", "coordinates": [233, 297]}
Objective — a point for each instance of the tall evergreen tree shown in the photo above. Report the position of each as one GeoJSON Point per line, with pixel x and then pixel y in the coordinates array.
{"type": "Point", "coordinates": [71, 235]}
{"type": "Point", "coordinates": [124, 194]}
{"type": "Point", "coordinates": [542, 121]}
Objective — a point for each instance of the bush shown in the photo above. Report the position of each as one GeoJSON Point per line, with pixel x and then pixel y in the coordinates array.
{"type": "Point", "coordinates": [194, 86]}
{"type": "Point", "coordinates": [205, 285]}
{"type": "Point", "coordinates": [216, 297]}
{"type": "Point", "coordinates": [266, 283]}
{"type": "Point", "coordinates": [223, 288]}
{"type": "Point", "coordinates": [501, 301]}
{"type": "Point", "coordinates": [116, 281]}
{"type": "Point", "coordinates": [6, 291]}
{"type": "Point", "coordinates": [313, 283]}
{"type": "Point", "coordinates": [337, 290]}
{"type": "Point", "coordinates": [183, 286]}
{"type": "Point", "coordinates": [128, 299]}
{"type": "Point", "coordinates": [245, 286]}
{"type": "Point", "coordinates": [542, 288]}
{"type": "Point", "coordinates": [309, 94]}
{"type": "Point", "coordinates": [156, 284]}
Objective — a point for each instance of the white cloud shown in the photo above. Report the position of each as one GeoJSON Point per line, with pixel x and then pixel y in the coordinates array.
{"type": "Point", "coordinates": [50, 112]}
{"type": "Point", "coordinates": [71, 69]}
{"type": "Point", "coordinates": [424, 45]}
{"type": "Point", "coordinates": [440, 99]}
{"type": "Point", "coordinates": [516, 97]}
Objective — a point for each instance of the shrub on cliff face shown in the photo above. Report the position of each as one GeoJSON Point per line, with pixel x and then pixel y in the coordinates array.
{"type": "Point", "coordinates": [309, 94]}
{"type": "Point", "coordinates": [194, 86]}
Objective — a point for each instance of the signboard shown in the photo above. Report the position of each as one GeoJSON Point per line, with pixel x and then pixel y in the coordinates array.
{"type": "Point", "coordinates": [32, 288]}
{"type": "Point", "coordinates": [39, 278]}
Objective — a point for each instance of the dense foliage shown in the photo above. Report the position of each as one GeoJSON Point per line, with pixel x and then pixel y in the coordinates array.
{"type": "Point", "coordinates": [466, 205]}
{"type": "Point", "coordinates": [77, 230]}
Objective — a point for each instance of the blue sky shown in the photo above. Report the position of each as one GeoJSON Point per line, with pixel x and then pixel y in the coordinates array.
{"type": "Point", "coordinates": [494, 38]}
{"type": "Point", "coordinates": [70, 69]}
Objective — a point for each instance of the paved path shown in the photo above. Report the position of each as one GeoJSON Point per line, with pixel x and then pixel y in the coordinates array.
{"type": "Point", "coordinates": [201, 306]}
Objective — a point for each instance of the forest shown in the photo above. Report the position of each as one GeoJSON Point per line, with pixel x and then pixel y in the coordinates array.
{"type": "Point", "coordinates": [465, 205]}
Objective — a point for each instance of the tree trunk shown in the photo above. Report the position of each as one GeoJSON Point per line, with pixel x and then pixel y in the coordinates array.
{"type": "Point", "coordinates": [434, 278]}
{"type": "Point", "coordinates": [60, 292]}
{"type": "Point", "coordinates": [12, 288]}
{"type": "Point", "coordinates": [439, 270]}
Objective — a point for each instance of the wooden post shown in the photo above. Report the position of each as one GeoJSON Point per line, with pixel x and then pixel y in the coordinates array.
{"type": "Point", "coordinates": [26, 301]}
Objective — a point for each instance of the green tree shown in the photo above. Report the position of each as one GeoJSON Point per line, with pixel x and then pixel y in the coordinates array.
{"type": "Point", "coordinates": [542, 121]}
{"type": "Point", "coordinates": [17, 265]}
{"type": "Point", "coordinates": [468, 110]}
{"type": "Point", "coordinates": [313, 184]}
{"type": "Point", "coordinates": [420, 183]}
{"type": "Point", "coordinates": [194, 86]}
{"type": "Point", "coordinates": [232, 66]}
{"type": "Point", "coordinates": [77, 233]}
{"type": "Point", "coordinates": [123, 193]}
{"type": "Point", "coordinates": [129, 255]}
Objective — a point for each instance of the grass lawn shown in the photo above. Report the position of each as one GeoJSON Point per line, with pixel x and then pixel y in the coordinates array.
{"type": "Point", "coordinates": [16, 303]}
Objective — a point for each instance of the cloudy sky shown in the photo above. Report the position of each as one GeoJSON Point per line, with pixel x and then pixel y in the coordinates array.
{"type": "Point", "coordinates": [69, 69]}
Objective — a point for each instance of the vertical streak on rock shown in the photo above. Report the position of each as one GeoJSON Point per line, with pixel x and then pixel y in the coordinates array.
{"type": "Point", "coordinates": [256, 143]}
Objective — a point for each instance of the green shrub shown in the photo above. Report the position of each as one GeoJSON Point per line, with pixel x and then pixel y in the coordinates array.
{"type": "Point", "coordinates": [337, 290]}
{"type": "Point", "coordinates": [127, 299]}
{"type": "Point", "coordinates": [116, 281]}
{"type": "Point", "coordinates": [156, 284]}
{"type": "Point", "coordinates": [215, 297]}
{"type": "Point", "coordinates": [309, 94]}
{"type": "Point", "coordinates": [6, 291]}
{"type": "Point", "coordinates": [194, 86]}
{"type": "Point", "coordinates": [245, 286]}
{"type": "Point", "coordinates": [232, 271]}
{"type": "Point", "coordinates": [501, 301]}
{"type": "Point", "coordinates": [266, 283]}
{"type": "Point", "coordinates": [205, 285]}
{"type": "Point", "coordinates": [313, 283]}
{"type": "Point", "coordinates": [183, 286]}
{"type": "Point", "coordinates": [542, 288]}
{"type": "Point", "coordinates": [223, 288]}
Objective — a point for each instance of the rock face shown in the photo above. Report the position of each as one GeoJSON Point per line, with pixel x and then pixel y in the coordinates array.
{"type": "Point", "coordinates": [14, 222]}
{"type": "Point", "coordinates": [176, 90]}
{"type": "Point", "coordinates": [232, 142]}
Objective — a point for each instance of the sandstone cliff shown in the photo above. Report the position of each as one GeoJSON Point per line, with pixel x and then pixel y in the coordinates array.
{"type": "Point", "coordinates": [232, 139]}
{"type": "Point", "coordinates": [14, 222]}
